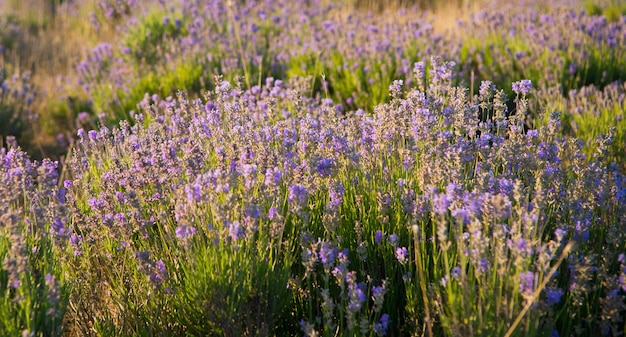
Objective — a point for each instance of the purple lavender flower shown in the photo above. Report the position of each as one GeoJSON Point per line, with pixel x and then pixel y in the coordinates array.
{"type": "Point", "coordinates": [194, 193]}
{"type": "Point", "coordinates": [235, 231]}
{"type": "Point", "coordinates": [396, 87]}
{"type": "Point", "coordinates": [381, 327]}
{"type": "Point", "coordinates": [93, 135]}
{"type": "Point", "coordinates": [441, 202]}
{"type": "Point", "coordinates": [67, 184]}
{"type": "Point", "coordinates": [378, 237]}
{"type": "Point", "coordinates": [456, 273]}
{"type": "Point", "coordinates": [393, 240]}
{"type": "Point", "coordinates": [272, 213]}
{"type": "Point", "coordinates": [339, 272]}
{"type": "Point", "coordinates": [185, 232]}
{"type": "Point", "coordinates": [96, 204]}
{"type": "Point", "coordinates": [356, 295]}
{"type": "Point", "coordinates": [157, 277]}
{"type": "Point", "coordinates": [336, 196]}
{"type": "Point", "coordinates": [273, 176]}
{"type": "Point", "coordinates": [553, 296]}
{"type": "Point", "coordinates": [483, 266]}
{"type": "Point", "coordinates": [377, 291]}
{"type": "Point", "coordinates": [522, 87]}
{"type": "Point", "coordinates": [253, 211]}
{"type": "Point", "coordinates": [75, 242]}
{"type": "Point", "coordinates": [487, 88]}
{"type": "Point", "coordinates": [527, 283]}
{"type": "Point", "coordinates": [324, 166]}
{"type": "Point", "coordinates": [327, 255]}
{"type": "Point", "coordinates": [401, 254]}
{"type": "Point", "coordinates": [532, 134]}
{"type": "Point", "coordinates": [298, 194]}
{"type": "Point", "coordinates": [59, 229]}
{"type": "Point", "coordinates": [522, 246]}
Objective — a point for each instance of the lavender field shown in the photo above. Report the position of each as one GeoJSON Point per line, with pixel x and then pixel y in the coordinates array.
{"type": "Point", "coordinates": [312, 168]}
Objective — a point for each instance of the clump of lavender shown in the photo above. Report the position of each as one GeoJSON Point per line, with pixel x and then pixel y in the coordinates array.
{"type": "Point", "coordinates": [254, 210]}
{"type": "Point", "coordinates": [33, 230]}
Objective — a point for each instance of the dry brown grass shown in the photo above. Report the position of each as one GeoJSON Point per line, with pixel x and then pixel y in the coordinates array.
{"type": "Point", "coordinates": [443, 14]}
{"type": "Point", "coordinates": [55, 36]}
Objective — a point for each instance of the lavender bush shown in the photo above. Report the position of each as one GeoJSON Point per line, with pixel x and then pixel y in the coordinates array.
{"type": "Point", "coordinates": [335, 179]}
{"type": "Point", "coordinates": [139, 48]}
{"type": "Point", "coordinates": [353, 58]}
{"type": "Point", "coordinates": [591, 112]}
{"type": "Point", "coordinates": [263, 211]}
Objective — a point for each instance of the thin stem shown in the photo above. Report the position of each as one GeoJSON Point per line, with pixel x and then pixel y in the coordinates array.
{"type": "Point", "coordinates": [422, 281]}
{"type": "Point", "coordinates": [543, 284]}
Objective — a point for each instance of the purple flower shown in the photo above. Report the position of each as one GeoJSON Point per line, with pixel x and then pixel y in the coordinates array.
{"type": "Point", "coordinates": [272, 213]}
{"type": "Point", "coordinates": [67, 184]}
{"type": "Point", "coordinates": [336, 196]}
{"type": "Point", "coordinates": [253, 211]}
{"type": "Point", "coordinates": [522, 87]}
{"type": "Point", "coordinates": [96, 204]}
{"type": "Point", "coordinates": [441, 202]}
{"type": "Point", "coordinates": [194, 193]}
{"type": "Point", "coordinates": [396, 87]}
{"type": "Point", "coordinates": [381, 327]}
{"type": "Point", "coordinates": [462, 214]}
{"type": "Point", "coordinates": [235, 231]}
{"type": "Point", "coordinates": [297, 194]}
{"type": "Point", "coordinates": [456, 272]}
{"type": "Point", "coordinates": [184, 232]}
{"type": "Point", "coordinates": [324, 166]}
{"type": "Point", "coordinates": [93, 134]}
{"type": "Point", "coordinates": [159, 274]}
{"type": "Point", "coordinates": [339, 272]}
{"type": "Point", "coordinates": [273, 176]}
{"type": "Point", "coordinates": [393, 240]}
{"type": "Point", "coordinates": [378, 237]}
{"type": "Point", "coordinates": [356, 295]}
{"type": "Point", "coordinates": [487, 89]}
{"type": "Point", "coordinates": [522, 246]}
{"type": "Point", "coordinates": [160, 265]}
{"type": "Point", "coordinates": [327, 255]}
{"type": "Point", "coordinates": [377, 291]}
{"type": "Point", "coordinates": [532, 134]}
{"type": "Point", "coordinates": [59, 229]}
{"type": "Point", "coordinates": [483, 265]}
{"type": "Point", "coordinates": [553, 296]}
{"type": "Point", "coordinates": [401, 254]}
{"type": "Point", "coordinates": [419, 69]}
{"type": "Point", "coordinates": [527, 283]}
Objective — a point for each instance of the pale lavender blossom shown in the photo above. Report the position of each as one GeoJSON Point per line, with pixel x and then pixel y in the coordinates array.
{"type": "Point", "coordinates": [185, 232]}
{"type": "Point", "coordinates": [522, 87]}
{"type": "Point", "coordinates": [401, 255]}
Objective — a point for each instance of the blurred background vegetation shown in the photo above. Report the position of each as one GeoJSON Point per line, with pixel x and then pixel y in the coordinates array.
{"type": "Point", "coordinates": [43, 41]}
